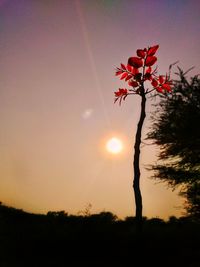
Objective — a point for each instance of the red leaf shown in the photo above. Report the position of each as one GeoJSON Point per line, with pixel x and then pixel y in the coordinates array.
{"type": "Point", "coordinates": [152, 50]}
{"type": "Point", "coordinates": [124, 75]}
{"type": "Point", "coordinates": [159, 90]}
{"type": "Point", "coordinates": [135, 71]}
{"type": "Point", "coordinates": [117, 94]}
{"type": "Point", "coordinates": [118, 72]}
{"type": "Point", "coordinates": [148, 70]}
{"type": "Point", "coordinates": [121, 92]}
{"type": "Point", "coordinates": [141, 53]}
{"type": "Point", "coordinates": [136, 62]}
{"type": "Point", "coordinates": [124, 91]}
{"type": "Point", "coordinates": [150, 61]}
{"type": "Point", "coordinates": [123, 66]}
{"type": "Point", "coordinates": [161, 79]}
{"type": "Point", "coordinates": [166, 87]}
{"type": "Point", "coordinates": [129, 68]}
{"type": "Point", "coordinates": [148, 75]}
{"type": "Point", "coordinates": [154, 83]}
{"type": "Point", "coordinates": [128, 77]}
{"type": "Point", "coordinates": [133, 83]}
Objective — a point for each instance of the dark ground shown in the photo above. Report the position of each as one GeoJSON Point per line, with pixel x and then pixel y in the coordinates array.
{"type": "Point", "coordinates": [59, 239]}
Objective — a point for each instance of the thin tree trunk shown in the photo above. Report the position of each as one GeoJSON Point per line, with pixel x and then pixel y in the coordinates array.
{"type": "Point", "coordinates": [136, 163]}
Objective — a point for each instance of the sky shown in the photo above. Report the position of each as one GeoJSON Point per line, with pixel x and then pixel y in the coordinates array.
{"type": "Point", "coordinates": [57, 111]}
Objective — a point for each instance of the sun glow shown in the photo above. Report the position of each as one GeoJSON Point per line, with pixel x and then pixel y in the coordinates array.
{"type": "Point", "coordinates": [114, 145]}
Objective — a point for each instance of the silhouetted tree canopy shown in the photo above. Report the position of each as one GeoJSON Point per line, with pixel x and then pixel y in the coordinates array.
{"type": "Point", "coordinates": [62, 239]}
{"type": "Point", "coordinates": [176, 130]}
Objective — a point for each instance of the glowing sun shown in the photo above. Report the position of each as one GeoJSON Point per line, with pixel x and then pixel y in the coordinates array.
{"type": "Point", "coordinates": [114, 145]}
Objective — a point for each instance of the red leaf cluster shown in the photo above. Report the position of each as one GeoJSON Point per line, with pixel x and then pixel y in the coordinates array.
{"type": "Point", "coordinates": [136, 62]}
{"type": "Point", "coordinates": [162, 84]}
{"type": "Point", "coordinates": [150, 60]}
{"type": "Point", "coordinates": [121, 94]}
{"type": "Point", "coordinates": [139, 70]}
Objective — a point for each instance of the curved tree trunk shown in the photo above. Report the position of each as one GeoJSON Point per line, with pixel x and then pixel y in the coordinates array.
{"type": "Point", "coordinates": [136, 163]}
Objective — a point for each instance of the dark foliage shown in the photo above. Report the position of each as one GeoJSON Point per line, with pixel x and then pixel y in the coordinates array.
{"type": "Point", "coordinates": [176, 131]}
{"type": "Point", "coordinates": [60, 239]}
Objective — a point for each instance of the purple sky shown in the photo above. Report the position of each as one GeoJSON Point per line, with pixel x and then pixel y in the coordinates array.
{"type": "Point", "coordinates": [57, 66]}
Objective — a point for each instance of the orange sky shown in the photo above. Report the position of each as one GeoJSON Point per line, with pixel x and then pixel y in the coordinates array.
{"type": "Point", "coordinates": [57, 66]}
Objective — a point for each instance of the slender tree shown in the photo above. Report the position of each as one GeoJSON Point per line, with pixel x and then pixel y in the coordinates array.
{"type": "Point", "coordinates": [137, 73]}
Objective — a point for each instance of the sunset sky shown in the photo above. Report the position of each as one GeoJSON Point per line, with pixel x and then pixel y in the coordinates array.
{"type": "Point", "coordinates": [57, 65]}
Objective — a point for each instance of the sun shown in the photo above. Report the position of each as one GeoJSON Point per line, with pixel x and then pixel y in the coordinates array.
{"type": "Point", "coordinates": [114, 145]}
